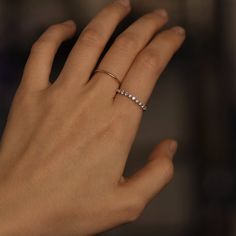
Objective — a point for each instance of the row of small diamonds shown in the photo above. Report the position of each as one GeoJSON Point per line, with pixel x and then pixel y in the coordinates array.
{"type": "Point", "coordinates": [133, 98]}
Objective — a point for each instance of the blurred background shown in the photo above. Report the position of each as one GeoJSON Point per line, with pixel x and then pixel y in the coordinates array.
{"type": "Point", "coordinates": [194, 102]}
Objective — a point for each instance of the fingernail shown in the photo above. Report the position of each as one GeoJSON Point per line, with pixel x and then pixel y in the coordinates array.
{"type": "Point", "coordinates": [125, 3]}
{"type": "Point", "coordinates": [179, 30]}
{"type": "Point", "coordinates": [69, 22]}
{"type": "Point", "coordinates": [161, 13]}
{"type": "Point", "coordinates": [173, 147]}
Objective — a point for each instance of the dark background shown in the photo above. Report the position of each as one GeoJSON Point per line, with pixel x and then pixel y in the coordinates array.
{"type": "Point", "coordinates": [194, 102]}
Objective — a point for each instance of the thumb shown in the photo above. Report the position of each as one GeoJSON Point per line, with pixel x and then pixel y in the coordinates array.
{"type": "Point", "coordinates": [158, 171]}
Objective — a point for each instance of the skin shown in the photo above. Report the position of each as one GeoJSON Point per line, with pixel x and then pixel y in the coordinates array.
{"type": "Point", "coordinates": [65, 145]}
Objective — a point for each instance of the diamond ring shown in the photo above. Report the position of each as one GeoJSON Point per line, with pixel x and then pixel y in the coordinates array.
{"type": "Point", "coordinates": [132, 98]}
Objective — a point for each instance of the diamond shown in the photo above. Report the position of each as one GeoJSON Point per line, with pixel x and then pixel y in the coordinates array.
{"type": "Point", "coordinates": [130, 96]}
{"type": "Point", "coordinates": [133, 98]}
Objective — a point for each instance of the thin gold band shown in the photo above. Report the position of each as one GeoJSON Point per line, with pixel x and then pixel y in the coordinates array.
{"type": "Point", "coordinates": [109, 74]}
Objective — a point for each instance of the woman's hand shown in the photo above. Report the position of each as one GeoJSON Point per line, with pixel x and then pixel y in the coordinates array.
{"type": "Point", "coordinates": [65, 145]}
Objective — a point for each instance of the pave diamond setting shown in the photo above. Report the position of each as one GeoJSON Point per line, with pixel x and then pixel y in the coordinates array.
{"type": "Point", "coordinates": [132, 98]}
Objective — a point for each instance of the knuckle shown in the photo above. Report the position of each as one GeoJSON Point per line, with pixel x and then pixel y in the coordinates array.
{"type": "Point", "coordinates": [116, 129]}
{"type": "Point", "coordinates": [127, 42]}
{"type": "Point", "coordinates": [149, 59]}
{"type": "Point", "coordinates": [38, 45]}
{"type": "Point", "coordinates": [121, 124]}
{"type": "Point", "coordinates": [52, 99]}
{"type": "Point", "coordinates": [54, 96]}
{"type": "Point", "coordinates": [42, 43]}
{"type": "Point", "coordinates": [91, 37]}
{"type": "Point", "coordinates": [167, 45]}
{"type": "Point", "coordinates": [47, 38]}
{"type": "Point", "coordinates": [25, 98]}
{"type": "Point", "coordinates": [23, 94]}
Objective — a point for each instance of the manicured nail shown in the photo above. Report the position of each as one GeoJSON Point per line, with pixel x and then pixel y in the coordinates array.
{"type": "Point", "coordinates": [125, 3]}
{"type": "Point", "coordinates": [161, 13]}
{"type": "Point", "coordinates": [179, 30]}
{"type": "Point", "coordinates": [173, 147]}
{"type": "Point", "coordinates": [69, 22]}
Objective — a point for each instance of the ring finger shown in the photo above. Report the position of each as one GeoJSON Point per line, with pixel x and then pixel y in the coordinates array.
{"type": "Point", "coordinates": [145, 71]}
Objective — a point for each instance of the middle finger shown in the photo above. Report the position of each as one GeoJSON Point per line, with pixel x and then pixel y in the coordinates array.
{"type": "Point", "coordinates": [126, 47]}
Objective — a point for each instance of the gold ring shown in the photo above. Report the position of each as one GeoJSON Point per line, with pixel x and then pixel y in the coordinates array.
{"type": "Point", "coordinates": [109, 74]}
